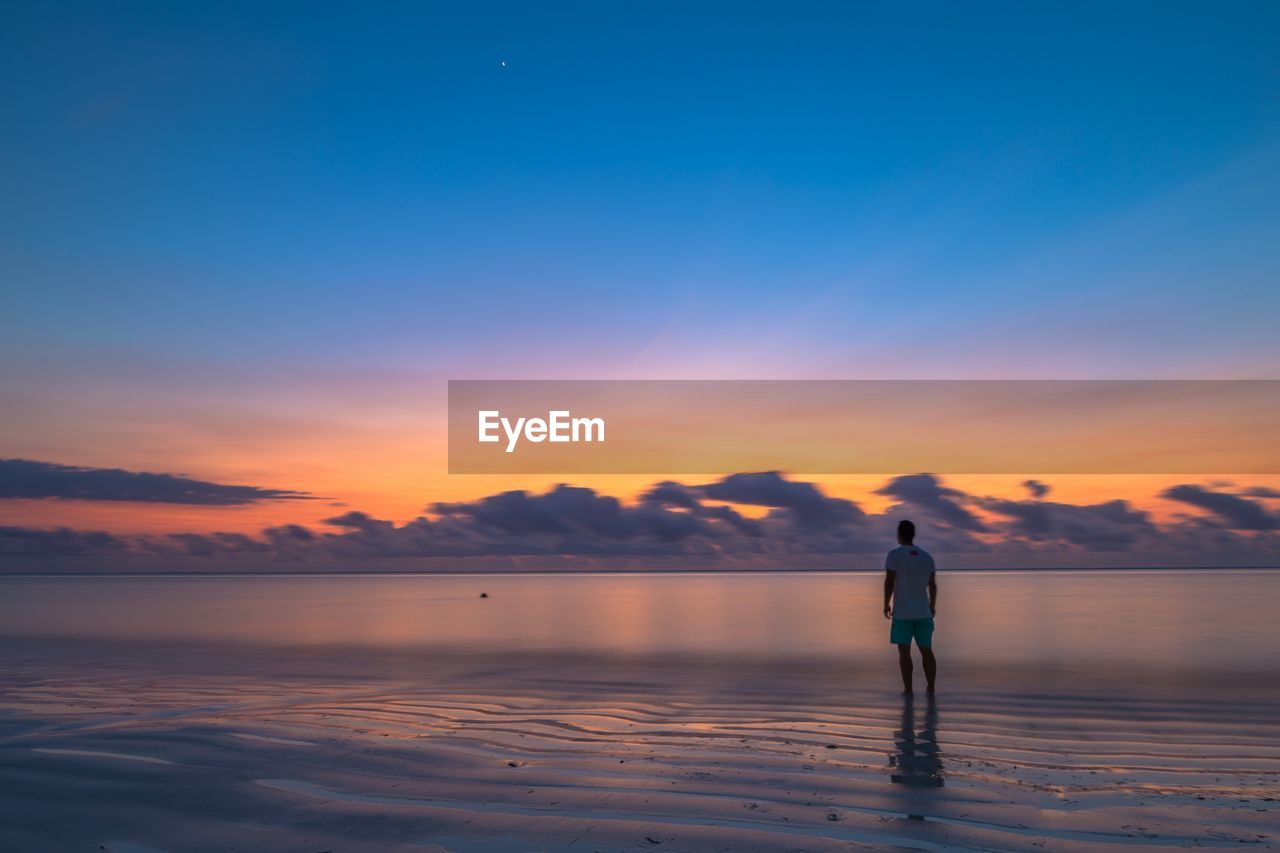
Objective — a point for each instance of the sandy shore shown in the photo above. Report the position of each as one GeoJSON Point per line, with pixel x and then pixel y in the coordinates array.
{"type": "Point", "coordinates": [303, 751]}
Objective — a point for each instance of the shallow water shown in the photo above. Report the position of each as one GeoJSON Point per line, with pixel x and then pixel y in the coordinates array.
{"type": "Point", "coordinates": [620, 712]}
{"type": "Point", "coordinates": [1203, 618]}
{"type": "Point", "coordinates": [1192, 623]}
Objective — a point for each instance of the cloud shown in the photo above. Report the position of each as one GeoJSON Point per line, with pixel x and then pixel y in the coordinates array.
{"type": "Point", "coordinates": [1103, 527]}
{"type": "Point", "coordinates": [288, 533]}
{"type": "Point", "coordinates": [1237, 512]}
{"type": "Point", "coordinates": [671, 493]}
{"type": "Point", "coordinates": [1036, 488]}
{"type": "Point", "coordinates": [668, 520]}
{"type": "Point", "coordinates": [926, 492]}
{"type": "Point", "coordinates": [679, 525]}
{"type": "Point", "coordinates": [1261, 492]}
{"type": "Point", "coordinates": [205, 545]}
{"type": "Point", "coordinates": [803, 502]}
{"type": "Point", "coordinates": [361, 522]}
{"type": "Point", "coordinates": [60, 541]}
{"type": "Point", "coordinates": [28, 479]}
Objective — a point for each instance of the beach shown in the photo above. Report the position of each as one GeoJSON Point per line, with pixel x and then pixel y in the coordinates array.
{"type": "Point", "coordinates": [736, 713]}
{"type": "Point", "coordinates": [555, 428]}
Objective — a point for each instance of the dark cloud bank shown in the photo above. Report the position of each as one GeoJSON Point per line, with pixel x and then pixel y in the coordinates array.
{"type": "Point", "coordinates": [672, 525]}
{"type": "Point", "coordinates": [25, 478]}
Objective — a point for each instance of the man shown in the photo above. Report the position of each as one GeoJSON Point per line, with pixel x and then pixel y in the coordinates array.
{"type": "Point", "coordinates": [910, 582]}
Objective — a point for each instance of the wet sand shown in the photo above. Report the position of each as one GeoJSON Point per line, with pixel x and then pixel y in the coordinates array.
{"type": "Point", "coordinates": [130, 747]}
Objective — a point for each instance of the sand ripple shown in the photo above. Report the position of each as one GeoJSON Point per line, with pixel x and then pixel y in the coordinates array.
{"type": "Point", "coordinates": [487, 759]}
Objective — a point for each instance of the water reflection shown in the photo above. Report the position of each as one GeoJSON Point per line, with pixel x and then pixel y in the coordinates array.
{"type": "Point", "coordinates": [917, 757]}
{"type": "Point", "coordinates": [1042, 619]}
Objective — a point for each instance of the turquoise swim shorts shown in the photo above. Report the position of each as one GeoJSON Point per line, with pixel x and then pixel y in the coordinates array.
{"type": "Point", "coordinates": [904, 630]}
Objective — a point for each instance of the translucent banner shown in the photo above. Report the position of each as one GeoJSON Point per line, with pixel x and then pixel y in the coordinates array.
{"type": "Point", "coordinates": [864, 426]}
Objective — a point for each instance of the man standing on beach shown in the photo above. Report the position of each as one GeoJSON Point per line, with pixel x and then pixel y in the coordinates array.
{"type": "Point", "coordinates": [910, 582]}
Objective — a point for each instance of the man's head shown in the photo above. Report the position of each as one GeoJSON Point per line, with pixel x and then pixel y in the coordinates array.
{"type": "Point", "coordinates": [906, 532]}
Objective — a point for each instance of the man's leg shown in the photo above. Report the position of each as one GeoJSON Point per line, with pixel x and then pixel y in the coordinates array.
{"type": "Point", "coordinates": [904, 663]}
{"type": "Point", "coordinates": [930, 665]}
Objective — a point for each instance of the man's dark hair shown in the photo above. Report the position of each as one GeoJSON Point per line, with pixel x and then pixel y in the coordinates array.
{"type": "Point", "coordinates": [907, 530]}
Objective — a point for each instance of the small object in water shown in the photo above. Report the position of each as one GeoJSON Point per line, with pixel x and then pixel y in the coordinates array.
{"type": "Point", "coordinates": [484, 595]}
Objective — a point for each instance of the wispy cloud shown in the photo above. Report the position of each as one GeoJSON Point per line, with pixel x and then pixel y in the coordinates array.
{"type": "Point", "coordinates": [32, 480]}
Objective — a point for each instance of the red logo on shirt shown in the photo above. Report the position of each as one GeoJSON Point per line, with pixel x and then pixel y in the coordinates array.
{"type": "Point", "coordinates": [915, 553]}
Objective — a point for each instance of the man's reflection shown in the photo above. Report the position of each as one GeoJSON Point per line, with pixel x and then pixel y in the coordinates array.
{"type": "Point", "coordinates": [917, 758]}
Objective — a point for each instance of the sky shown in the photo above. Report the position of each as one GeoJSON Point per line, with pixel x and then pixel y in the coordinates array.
{"type": "Point", "coordinates": [247, 244]}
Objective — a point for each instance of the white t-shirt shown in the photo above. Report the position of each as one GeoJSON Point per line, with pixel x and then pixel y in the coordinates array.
{"type": "Point", "coordinates": [912, 567]}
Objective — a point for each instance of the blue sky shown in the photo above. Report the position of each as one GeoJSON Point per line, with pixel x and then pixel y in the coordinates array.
{"type": "Point", "coordinates": [241, 185]}
{"type": "Point", "coordinates": [248, 242]}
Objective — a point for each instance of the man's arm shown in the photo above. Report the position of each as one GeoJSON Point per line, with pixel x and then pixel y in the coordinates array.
{"type": "Point", "coordinates": [933, 593]}
{"type": "Point", "coordinates": [889, 577]}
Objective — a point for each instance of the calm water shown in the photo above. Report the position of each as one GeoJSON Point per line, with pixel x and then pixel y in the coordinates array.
{"type": "Point", "coordinates": [1076, 711]}
{"type": "Point", "coordinates": [1205, 622]}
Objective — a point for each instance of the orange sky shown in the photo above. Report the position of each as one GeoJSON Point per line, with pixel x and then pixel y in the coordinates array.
{"type": "Point", "coordinates": [404, 493]}
{"type": "Point", "coordinates": [358, 444]}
